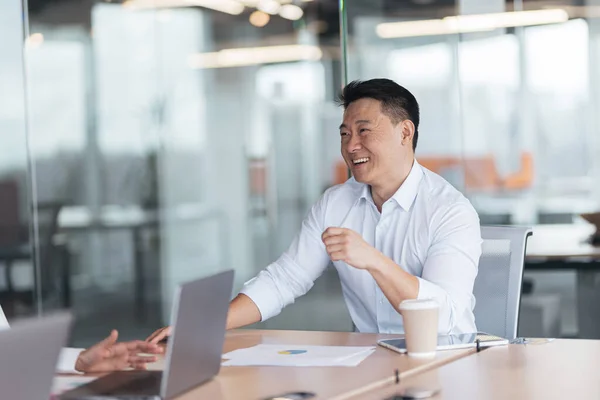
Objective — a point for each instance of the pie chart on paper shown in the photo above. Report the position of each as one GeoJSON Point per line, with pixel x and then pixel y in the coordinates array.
{"type": "Point", "coordinates": [291, 352]}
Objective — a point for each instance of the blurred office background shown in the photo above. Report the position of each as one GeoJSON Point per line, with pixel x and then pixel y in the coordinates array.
{"type": "Point", "coordinates": [149, 142]}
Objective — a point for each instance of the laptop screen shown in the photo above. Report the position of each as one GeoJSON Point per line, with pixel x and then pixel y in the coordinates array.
{"type": "Point", "coordinates": [198, 318]}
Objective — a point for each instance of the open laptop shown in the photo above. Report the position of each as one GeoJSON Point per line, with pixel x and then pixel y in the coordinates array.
{"type": "Point", "coordinates": [28, 356]}
{"type": "Point", "coordinates": [193, 353]}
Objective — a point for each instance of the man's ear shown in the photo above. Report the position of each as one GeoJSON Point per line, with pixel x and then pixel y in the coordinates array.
{"type": "Point", "coordinates": [408, 132]}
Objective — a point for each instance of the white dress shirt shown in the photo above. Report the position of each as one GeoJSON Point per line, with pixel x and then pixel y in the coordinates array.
{"type": "Point", "coordinates": [427, 227]}
{"type": "Point", "coordinates": [68, 356]}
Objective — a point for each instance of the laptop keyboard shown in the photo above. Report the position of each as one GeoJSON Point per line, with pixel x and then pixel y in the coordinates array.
{"type": "Point", "coordinates": [143, 384]}
{"type": "Point", "coordinates": [130, 385]}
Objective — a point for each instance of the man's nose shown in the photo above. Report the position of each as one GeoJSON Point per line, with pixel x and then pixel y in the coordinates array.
{"type": "Point", "coordinates": [354, 144]}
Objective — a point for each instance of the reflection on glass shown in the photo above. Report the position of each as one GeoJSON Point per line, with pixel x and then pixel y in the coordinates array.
{"type": "Point", "coordinates": [177, 142]}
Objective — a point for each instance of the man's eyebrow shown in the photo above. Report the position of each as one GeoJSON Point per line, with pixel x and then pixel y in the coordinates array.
{"type": "Point", "coordinates": [360, 121]}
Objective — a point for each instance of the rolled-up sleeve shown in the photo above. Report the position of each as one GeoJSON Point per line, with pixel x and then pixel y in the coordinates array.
{"type": "Point", "coordinates": [451, 267]}
{"type": "Point", "coordinates": [294, 273]}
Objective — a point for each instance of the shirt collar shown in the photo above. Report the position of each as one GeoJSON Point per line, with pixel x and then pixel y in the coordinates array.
{"type": "Point", "coordinates": [406, 193]}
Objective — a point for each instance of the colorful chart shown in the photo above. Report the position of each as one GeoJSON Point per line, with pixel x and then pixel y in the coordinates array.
{"type": "Point", "coordinates": [291, 352]}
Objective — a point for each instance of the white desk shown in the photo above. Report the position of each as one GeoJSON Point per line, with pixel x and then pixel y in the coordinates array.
{"type": "Point", "coordinates": [565, 247]}
{"type": "Point", "coordinates": [562, 369]}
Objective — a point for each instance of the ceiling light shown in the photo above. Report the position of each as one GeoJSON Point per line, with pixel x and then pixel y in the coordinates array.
{"type": "Point", "coordinates": [470, 23]}
{"type": "Point", "coordinates": [510, 19]}
{"type": "Point", "coordinates": [227, 6]}
{"type": "Point", "coordinates": [291, 12]}
{"type": "Point", "coordinates": [415, 28]}
{"type": "Point", "coordinates": [255, 56]}
{"type": "Point", "coordinates": [259, 18]}
{"type": "Point", "coordinates": [269, 6]}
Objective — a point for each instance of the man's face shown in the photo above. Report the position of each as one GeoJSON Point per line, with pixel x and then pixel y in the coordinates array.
{"type": "Point", "coordinates": [372, 145]}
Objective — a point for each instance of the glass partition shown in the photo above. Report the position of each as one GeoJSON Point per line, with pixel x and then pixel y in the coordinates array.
{"type": "Point", "coordinates": [18, 273]}
{"type": "Point", "coordinates": [176, 141]}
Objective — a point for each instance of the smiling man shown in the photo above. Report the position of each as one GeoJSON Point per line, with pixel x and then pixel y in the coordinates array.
{"type": "Point", "coordinates": [394, 231]}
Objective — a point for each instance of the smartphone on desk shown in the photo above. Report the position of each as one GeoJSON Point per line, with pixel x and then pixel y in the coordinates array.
{"type": "Point", "coordinates": [449, 342]}
{"type": "Point", "coordinates": [292, 396]}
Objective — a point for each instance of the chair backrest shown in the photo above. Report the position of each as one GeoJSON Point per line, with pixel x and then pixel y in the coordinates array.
{"type": "Point", "coordinates": [497, 288]}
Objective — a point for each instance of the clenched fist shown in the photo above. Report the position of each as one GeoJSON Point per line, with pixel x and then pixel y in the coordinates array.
{"type": "Point", "coordinates": [348, 246]}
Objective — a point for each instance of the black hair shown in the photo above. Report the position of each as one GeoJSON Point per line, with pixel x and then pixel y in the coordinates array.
{"type": "Point", "coordinates": [396, 102]}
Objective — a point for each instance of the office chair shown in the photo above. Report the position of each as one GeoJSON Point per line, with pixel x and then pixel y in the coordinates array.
{"type": "Point", "coordinates": [497, 287]}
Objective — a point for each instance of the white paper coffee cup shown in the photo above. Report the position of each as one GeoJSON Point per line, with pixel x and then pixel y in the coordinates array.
{"type": "Point", "coordinates": [420, 326]}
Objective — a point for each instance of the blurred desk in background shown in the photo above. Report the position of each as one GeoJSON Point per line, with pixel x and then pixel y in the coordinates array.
{"type": "Point", "coordinates": [146, 225]}
{"type": "Point", "coordinates": [560, 247]}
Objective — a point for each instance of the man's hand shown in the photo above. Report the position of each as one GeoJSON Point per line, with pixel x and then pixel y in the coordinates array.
{"type": "Point", "coordinates": [348, 246]}
{"type": "Point", "coordinates": [159, 335]}
{"type": "Point", "coordinates": [108, 355]}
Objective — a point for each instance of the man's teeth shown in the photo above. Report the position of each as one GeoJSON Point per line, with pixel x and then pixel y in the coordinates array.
{"type": "Point", "coordinates": [360, 160]}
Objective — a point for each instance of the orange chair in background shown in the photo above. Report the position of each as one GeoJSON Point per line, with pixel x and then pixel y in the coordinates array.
{"type": "Point", "coordinates": [480, 173]}
{"type": "Point", "coordinates": [523, 178]}
{"type": "Point", "coordinates": [439, 164]}
{"type": "Point", "coordinates": [340, 172]}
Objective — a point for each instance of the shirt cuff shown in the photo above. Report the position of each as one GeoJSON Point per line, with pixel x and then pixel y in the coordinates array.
{"type": "Point", "coordinates": [67, 359]}
{"type": "Point", "coordinates": [428, 290]}
{"type": "Point", "coordinates": [261, 292]}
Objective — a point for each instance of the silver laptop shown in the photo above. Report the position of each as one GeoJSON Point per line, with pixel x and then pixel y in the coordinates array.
{"type": "Point", "coordinates": [28, 356]}
{"type": "Point", "coordinates": [193, 352]}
